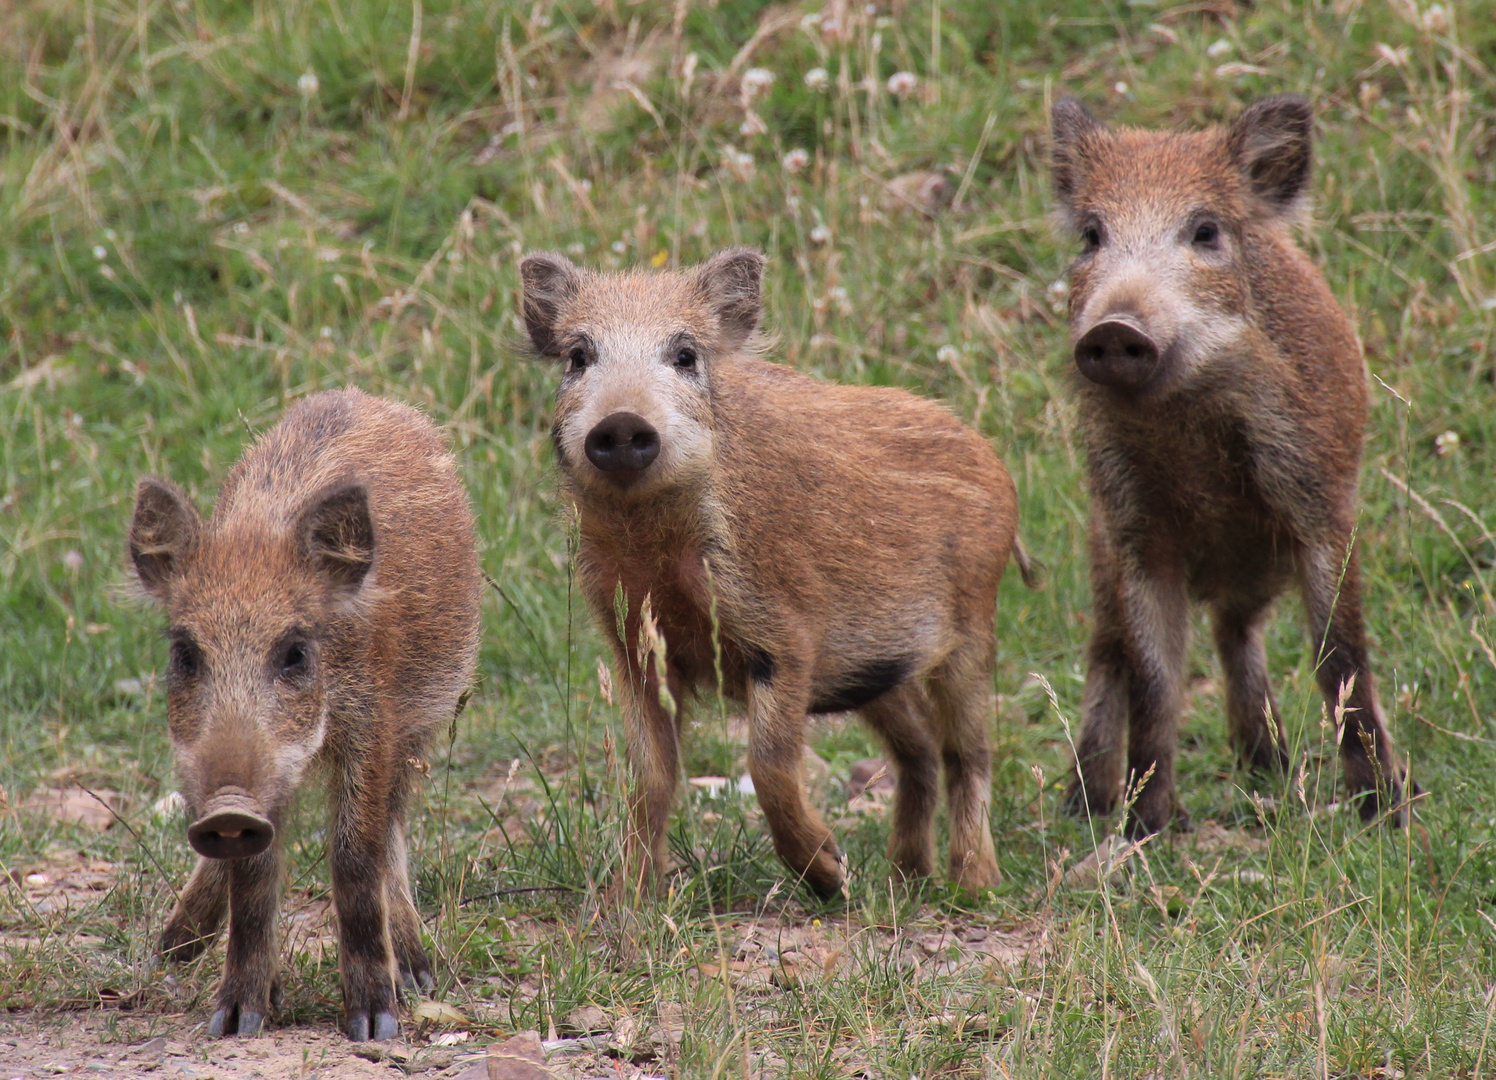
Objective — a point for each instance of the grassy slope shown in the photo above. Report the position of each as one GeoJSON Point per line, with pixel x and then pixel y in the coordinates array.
{"type": "Point", "coordinates": [193, 236]}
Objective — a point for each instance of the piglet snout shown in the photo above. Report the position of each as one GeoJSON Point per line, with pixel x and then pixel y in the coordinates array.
{"type": "Point", "coordinates": [232, 826]}
{"type": "Point", "coordinates": [1116, 352]}
{"type": "Point", "coordinates": [624, 443]}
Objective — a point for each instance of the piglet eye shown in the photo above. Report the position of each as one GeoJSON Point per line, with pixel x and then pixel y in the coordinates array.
{"type": "Point", "coordinates": [1090, 237]}
{"type": "Point", "coordinates": [186, 658]}
{"type": "Point", "coordinates": [577, 358]}
{"type": "Point", "coordinates": [686, 358]}
{"type": "Point", "coordinates": [293, 660]}
{"type": "Point", "coordinates": [1206, 234]}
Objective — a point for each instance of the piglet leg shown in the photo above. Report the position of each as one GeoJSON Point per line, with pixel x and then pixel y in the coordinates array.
{"type": "Point", "coordinates": [249, 969]}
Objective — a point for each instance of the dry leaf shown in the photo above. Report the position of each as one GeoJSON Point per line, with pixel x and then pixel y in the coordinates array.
{"type": "Point", "coordinates": [438, 1012]}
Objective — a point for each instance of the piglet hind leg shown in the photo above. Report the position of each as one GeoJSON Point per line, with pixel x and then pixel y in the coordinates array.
{"type": "Point", "coordinates": [961, 690]}
{"type": "Point", "coordinates": [901, 718]}
{"type": "Point", "coordinates": [776, 739]}
{"type": "Point", "coordinates": [405, 922]}
{"type": "Point", "coordinates": [249, 970]}
{"type": "Point", "coordinates": [199, 913]}
{"type": "Point", "coordinates": [359, 853]}
{"type": "Point", "coordinates": [1332, 596]}
{"type": "Point", "coordinates": [1252, 717]}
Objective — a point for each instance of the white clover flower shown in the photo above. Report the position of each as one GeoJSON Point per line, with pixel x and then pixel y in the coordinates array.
{"type": "Point", "coordinates": [753, 124]}
{"type": "Point", "coordinates": [99, 252]}
{"type": "Point", "coordinates": [1120, 89]}
{"type": "Point", "coordinates": [1447, 443]}
{"type": "Point", "coordinates": [902, 83]}
{"type": "Point", "coordinates": [619, 247]}
{"type": "Point", "coordinates": [820, 235]}
{"type": "Point", "coordinates": [947, 354]}
{"type": "Point", "coordinates": [1396, 57]}
{"type": "Point", "coordinates": [1059, 288]}
{"type": "Point", "coordinates": [739, 161]}
{"type": "Point", "coordinates": [756, 81]}
{"type": "Point", "coordinates": [308, 84]}
{"type": "Point", "coordinates": [1436, 19]}
{"type": "Point", "coordinates": [795, 160]}
{"type": "Point", "coordinates": [326, 333]}
{"type": "Point", "coordinates": [1218, 48]}
{"type": "Point", "coordinates": [817, 79]}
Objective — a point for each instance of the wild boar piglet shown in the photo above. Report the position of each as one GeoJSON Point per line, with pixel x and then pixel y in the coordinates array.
{"type": "Point", "coordinates": [819, 548]}
{"type": "Point", "coordinates": [326, 615]}
{"type": "Point", "coordinates": [1223, 400]}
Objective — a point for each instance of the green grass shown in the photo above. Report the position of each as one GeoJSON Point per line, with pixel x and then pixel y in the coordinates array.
{"type": "Point", "coordinates": [192, 236]}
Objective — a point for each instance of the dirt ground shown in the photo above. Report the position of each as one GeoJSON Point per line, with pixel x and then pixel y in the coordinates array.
{"type": "Point", "coordinates": [162, 1047]}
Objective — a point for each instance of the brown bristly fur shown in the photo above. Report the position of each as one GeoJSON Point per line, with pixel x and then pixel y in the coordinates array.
{"type": "Point", "coordinates": [1229, 471]}
{"type": "Point", "coordinates": [326, 614]}
{"type": "Point", "coordinates": [850, 540]}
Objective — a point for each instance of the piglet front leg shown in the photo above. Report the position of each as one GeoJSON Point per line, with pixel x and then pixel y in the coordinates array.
{"type": "Point", "coordinates": [360, 858]}
{"type": "Point", "coordinates": [249, 970]}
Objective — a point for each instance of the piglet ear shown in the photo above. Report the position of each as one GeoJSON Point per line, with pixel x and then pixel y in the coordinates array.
{"type": "Point", "coordinates": [1271, 144]}
{"type": "Point", "coordinates": [163, 535]}
{"type": "Point", "coordinates": [733, 281]}
{"type": "Point", "coordinates": [1070, 128]}
{"type": "Point", "coordinates": [336, 536]}
{"type": "Point", "coordinates": [549, 282]}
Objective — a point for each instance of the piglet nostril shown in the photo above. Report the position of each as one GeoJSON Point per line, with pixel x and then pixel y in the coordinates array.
{"type": "Point", "coordinates": [1117, 352]}
{"type": "Point", "coordinates": [233, 826]}
{"type": "Point", "coordinates": [622, 443]}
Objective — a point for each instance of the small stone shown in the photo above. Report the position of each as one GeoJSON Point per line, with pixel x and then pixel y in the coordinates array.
{"type": "Point", "coordinates": [589, 1019]}
{"type": "Point", "coordinates": [520, 1057]}
{"type": "Point", "coordinates": [153, 1048]}
{"type": "Point", "coordinates": [1102, 866]}
{"type": "Point", "coordinates": [870, 777]}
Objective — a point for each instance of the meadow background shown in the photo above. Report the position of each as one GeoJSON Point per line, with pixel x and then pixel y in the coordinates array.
{"type": "Point", "coordinates": [209, 210]}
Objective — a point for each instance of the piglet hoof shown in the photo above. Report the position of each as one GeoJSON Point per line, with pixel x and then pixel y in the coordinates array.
{"type": "Point", "coordinates": [386, 1026]}
{"type": "Point", "coordinates": [977, 876]}
{"type": "Point", "coordinates": [1143, 822]}
{"type": "Point", "coordinates": [1269, 759]}
{"type": "Point", "coordinates": [1083, 804]}
{"type": "Point", "coordinates": [826, 875]}
{"type": "Point", "coordinates": [236, 1021]}
{"type": "Point", "coordinates": [1371, 802]}
{"type": "Point", "coordinates": [418, 980]}
{"type": "Point", "coordinates": [415, 967]}
{"type": "Point", "coordinates": [181, 943]}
